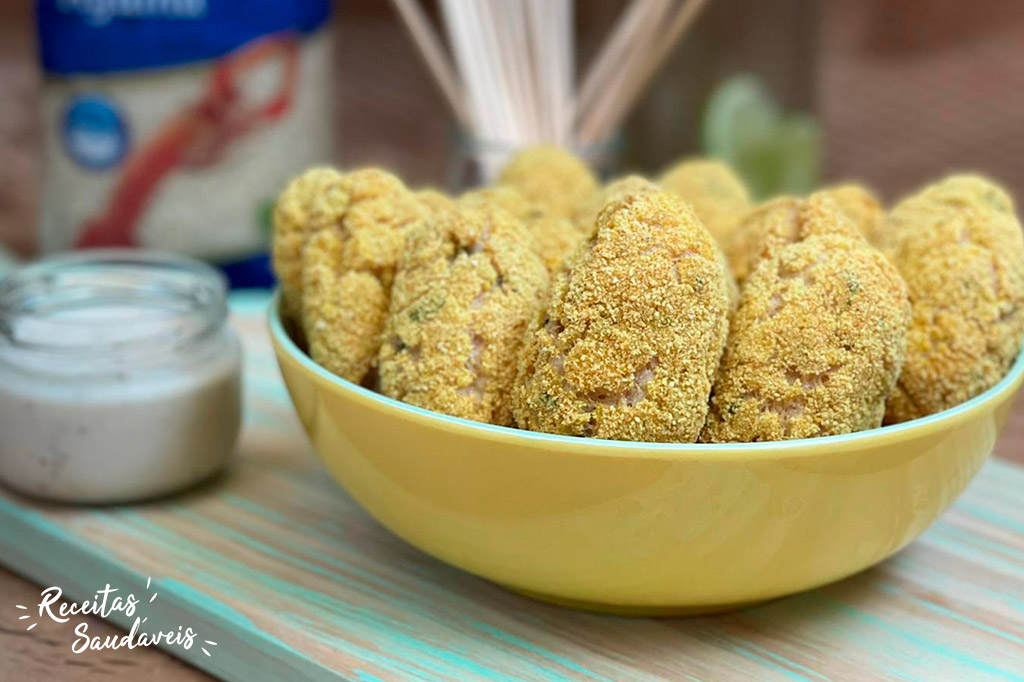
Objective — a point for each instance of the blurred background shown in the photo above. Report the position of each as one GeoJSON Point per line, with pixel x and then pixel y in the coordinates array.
{"type": "Point", "coordinates": [904, 90]}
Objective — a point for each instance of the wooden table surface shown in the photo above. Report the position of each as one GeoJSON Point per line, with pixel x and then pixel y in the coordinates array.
{"type": "Point", "coordinates": [943, 607]}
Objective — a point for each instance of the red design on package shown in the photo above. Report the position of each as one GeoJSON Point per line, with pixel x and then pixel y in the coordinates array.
{"type": "Point", "coordinates": [196, 137]}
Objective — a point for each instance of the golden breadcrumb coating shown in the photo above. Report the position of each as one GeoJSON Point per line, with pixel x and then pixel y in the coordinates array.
{"type": "Point", "coordinates": [779, 222]}
{"type": "Point", "coordinates": [357, 231]}
{"type": "Point", "coordinates": [344, 310]}
{"type": "Point", "coordinates": [465, 290]}
{"type": "Point", "coordinates": [630, 342]}
{"type": "Point", "coordinates": [550, 178]}
{"type": "Point", "coordinates": [554, 238]}
{"type": "Point", "coordinates": [291, 219]}
{"type": "Point", "coordinates": [585, 217]}
{"type": "Point", "coordinates": [508, 199]}
{"type": "Point", "coordinates": [719, 197]}
{"type": "Point", "coordinates": [434, 200]}
{"type": "Point", "coordinates": [959, 247]}
{"type": "Point", "coordinates": [815, 347]}
{"type": "Point", "coordinates": [860, 205]}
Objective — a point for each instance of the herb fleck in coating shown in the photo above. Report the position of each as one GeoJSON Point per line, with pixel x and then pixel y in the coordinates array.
{"type": "Point", "coordinates": [358, 226]}
{"type": "Point", "coordinates": [630, 342]}
{"type": "Point", "coordinates": [465, 290]}
{"type": "Point", "coordinates": [779, 222]}
{"type": "Point", "coordinates": [291, 220]}
{"type": "Point", "coordinates": [816, 344]}
{"type": "Point", "coordinates": [550, 179]}
{"type": "Point", "coordinates": [860, 205]}
{"type": "Point", "coordinates": [959, 247]}
{"type": "Point", "coordinates": [719, 197]}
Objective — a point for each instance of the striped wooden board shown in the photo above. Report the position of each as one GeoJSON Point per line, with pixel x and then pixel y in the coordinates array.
{"type": "Point", "coordinates": [294, 582]}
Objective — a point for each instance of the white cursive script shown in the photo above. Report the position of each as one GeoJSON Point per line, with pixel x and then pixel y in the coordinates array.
{"type": "Point", "coordinates": [104, 604]}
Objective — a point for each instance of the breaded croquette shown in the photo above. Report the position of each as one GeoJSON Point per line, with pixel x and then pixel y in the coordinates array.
{"type": "Point", "coordinates": [779, 222]}
{"type": "Point", "coordinates": [718, 195]}
{"type": "Point", "coordinates": [816, 345]}
{"type": "Point", "coordinates": [635, 327]}
{"type": "Point", "coordinates": [436, 201]}
{"type": "Point", "coordinates": [959, 247]}
{"type": "Point", "coordinates": [344, 310]}
{"type": "Point", "coordinates": [357, 226]}
{"type": "Point", "coordinates": [291, 220]}
{"type": "Point", "coordinates": [554, 237]}
{"type": "Point", "coordinates": [586, 217]}
{"type": "Point", "coordinates": [860, 205]}
{"type": "Point", "coordinates": [586, 214]}
{"type": "Point", "coordinates": [465, 291]}
{"type": "Point", "coordinates": [550, 184]}
{"type": "Point", "coordinates": [550, 179]}
{"type": "Point", "coordinates": [507, 199]}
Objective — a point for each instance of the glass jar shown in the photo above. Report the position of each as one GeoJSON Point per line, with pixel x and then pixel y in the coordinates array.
{"type": "Point", "coordinates": [120, 378]}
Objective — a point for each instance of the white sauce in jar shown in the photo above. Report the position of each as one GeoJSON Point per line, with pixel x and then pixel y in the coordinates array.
{"type": "Point", "coordinates": [119, 377]}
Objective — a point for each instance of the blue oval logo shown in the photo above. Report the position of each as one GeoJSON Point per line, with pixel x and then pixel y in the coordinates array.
{"type": "Point", "coordinates": [94, 132]}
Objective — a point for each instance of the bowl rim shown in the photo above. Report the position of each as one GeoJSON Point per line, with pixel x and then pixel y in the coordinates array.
{"type": "Point", "coordinates": [860, 440]}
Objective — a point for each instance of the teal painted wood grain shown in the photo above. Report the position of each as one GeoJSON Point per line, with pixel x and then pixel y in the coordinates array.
{"type": "Point", "coordinates": [295, 582]}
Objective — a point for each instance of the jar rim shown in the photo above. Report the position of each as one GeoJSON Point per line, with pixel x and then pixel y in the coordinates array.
{"type": "Point", "coordinates": [187, 300]}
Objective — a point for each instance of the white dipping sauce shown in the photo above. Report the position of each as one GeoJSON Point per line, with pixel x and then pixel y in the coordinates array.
{"type": "Point", "coordinates": [129, 393]}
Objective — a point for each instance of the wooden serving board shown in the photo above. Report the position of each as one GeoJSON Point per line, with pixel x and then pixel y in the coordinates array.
{"type": "Point", "coordinates": [294, 582]}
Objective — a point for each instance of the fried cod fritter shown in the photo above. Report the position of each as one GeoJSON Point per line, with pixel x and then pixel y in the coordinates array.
{"type": "Point", "coordinates": [550, 179]}
{"type": "Point", "coordinates": [291, 220]}
{"type": "Point", "coordinates": [816, 345]}
{"type": "Point", "coordinates": [668, 312]}
{"type": "Point", "coordinates": [586, 214]}
{"type": "Point", "coordinates": [959, 247]}
{"type": "Point", "coordinates": [465, 291]}
{"type": "Point", "coordinates": [357, 227]}
{"type": "Point", "coordinates": [635, 327]}
{"type": "Point", "coordinates": [623, 187]}
{"type": "Point", "coordinates": [435, 201]}
{"type": "Point", "coordinates": [550, 184]}
{"type": "Point", "coordinates": [553, 237]}
{"type": "Point", "coordinates": [719, 197]}
{"type": "Point", "coordinates": [860, 205]}
{"type": "Point", "coordinates": [343, 311]}
{"type": "Point", "coordinates": [782, 221]}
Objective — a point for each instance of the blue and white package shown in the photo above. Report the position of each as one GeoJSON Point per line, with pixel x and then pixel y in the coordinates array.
{"type": "Point", "coordinates": [172, 124]}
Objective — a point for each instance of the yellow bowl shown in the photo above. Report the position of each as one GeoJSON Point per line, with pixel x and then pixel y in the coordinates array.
{"type": "Point", "coordinates": [640, 528]}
